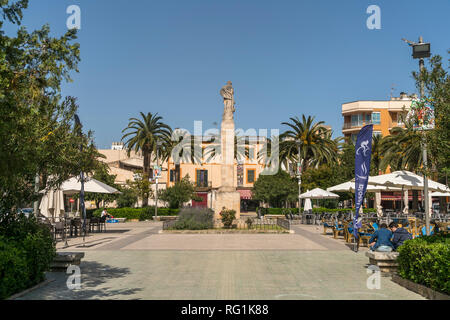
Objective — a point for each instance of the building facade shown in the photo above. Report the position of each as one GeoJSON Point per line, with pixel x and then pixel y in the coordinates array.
{"type": "Point", "coordinates": [384, 115]}
{"type": "Point", "coordinates": [206, 174]}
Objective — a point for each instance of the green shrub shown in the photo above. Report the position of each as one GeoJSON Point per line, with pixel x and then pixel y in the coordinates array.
{"type": "Point", "coordinates": [138, 213]}
{"type": "Point", "coordinates": [228, 217]}
{"type": "Point", "coordinates": [26, 251]}
{"type": "Point", "coordinates": [194, 219]}
{"type": "Point", "coordinates": [426, 261]}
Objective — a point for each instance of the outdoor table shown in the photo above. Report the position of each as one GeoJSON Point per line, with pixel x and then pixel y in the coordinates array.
{"type": "Point", "coordinates": [75, 224]}
{"type": "Point", "coordinates": [309, 218]}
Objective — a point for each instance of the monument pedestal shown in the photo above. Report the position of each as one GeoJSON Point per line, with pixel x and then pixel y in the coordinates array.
{"type": "Point", "coordinates": [231, 200]}
{"type": "Point", "coordinates": [227, 197]}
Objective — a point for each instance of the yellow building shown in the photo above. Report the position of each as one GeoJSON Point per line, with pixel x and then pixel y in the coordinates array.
{"type": "Point", "coordinates": [205, 175]}
{"type": "Point", "coordinates": [384, 115]}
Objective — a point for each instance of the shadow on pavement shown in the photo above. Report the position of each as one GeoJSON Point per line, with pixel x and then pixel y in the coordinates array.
{"type": "Point", "coordinates": [98, 281]}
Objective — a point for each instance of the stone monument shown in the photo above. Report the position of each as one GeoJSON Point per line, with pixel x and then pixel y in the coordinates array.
{"type": "Point", "coordinates": [227, 196]}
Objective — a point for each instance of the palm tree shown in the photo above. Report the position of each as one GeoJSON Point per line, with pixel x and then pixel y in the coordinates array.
{"type": "Point", "coordinates": [376, 155]}
{"type": "Point", "coordinates": [317, 146]}
{"type": "Point", "coordinates": [401, 150]}
{"type": "Point", "coordinates": [143, 135]}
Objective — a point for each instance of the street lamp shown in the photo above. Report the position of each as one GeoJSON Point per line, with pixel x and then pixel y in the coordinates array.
{"type": "Point", "coordinates": [158, 146]}
{"type": "Point", "coordinates": [299, 173]}
{"type": "Point", "coordinates": [422, 50]}
{"type": "Point", "coordinates": [78, 129]}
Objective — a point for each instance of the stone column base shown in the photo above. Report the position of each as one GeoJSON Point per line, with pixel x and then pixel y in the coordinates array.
{"type": "Point", "coordinates": [231, 200]}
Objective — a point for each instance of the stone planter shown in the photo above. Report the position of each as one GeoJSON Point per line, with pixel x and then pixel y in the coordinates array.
{"type": "Point", "coordinates": [420, 289]}
{"type": "Point", "coordinates": [63, 260]}
{"type": "Point", "coordinates": [386, 261]}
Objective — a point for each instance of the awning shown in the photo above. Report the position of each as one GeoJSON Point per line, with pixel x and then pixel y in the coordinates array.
{"type": "Point", "coordinates": [246, 194]}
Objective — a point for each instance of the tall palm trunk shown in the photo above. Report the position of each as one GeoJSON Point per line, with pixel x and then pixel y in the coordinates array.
{"type": "Point", "coordinates": [147, 156]}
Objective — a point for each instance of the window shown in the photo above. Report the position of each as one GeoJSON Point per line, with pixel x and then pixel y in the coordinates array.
{"type": "Point", "coordinates": [376, 118]}
{"type": "Point", "coordinates": [377, 134]}
{"type": "Point", "coordinates": [202, 178]}
{"type": "Point", "coordinates": [250, 176]}
{"type": "Point", "coordinates": [368, 119]}
{"type": "Point", "coordinates": [357, 120]}
{"type": "Point", "coordinates": [175, 174]}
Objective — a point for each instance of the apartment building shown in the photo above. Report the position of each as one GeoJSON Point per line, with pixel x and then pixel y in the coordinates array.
{"type": "Point", "coordinates": [383, 114]}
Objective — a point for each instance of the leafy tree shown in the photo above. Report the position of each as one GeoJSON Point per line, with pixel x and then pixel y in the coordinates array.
{"type": "Point", "coordinates": [276, 189]}
{"type": "Point", "coordinates": [437, 88]}
{"type": "Point", "coordinates": [143, 135]}
{"type": "Point", "coordinates": [102, 175]}
{"type": "Point", "coordinates": [142, 187]}
{"type": "Point", "coordinates": [182, 192]}
{"type": "Point", "coordinates": [127, 199]}
{"type": "Point", "coordinates": [36, 124]}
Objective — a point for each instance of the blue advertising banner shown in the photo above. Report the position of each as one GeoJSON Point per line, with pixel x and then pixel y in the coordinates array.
{"type": "Point", "coordinates": [362, 171]}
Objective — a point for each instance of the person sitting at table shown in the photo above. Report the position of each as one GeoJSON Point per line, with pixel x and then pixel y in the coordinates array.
{"type": "Point", "coordinates": [400, 235]}
{"type": "Point", "coordinates": [381, 240]}
{"type": "Point", "coordinates": [105, 214]}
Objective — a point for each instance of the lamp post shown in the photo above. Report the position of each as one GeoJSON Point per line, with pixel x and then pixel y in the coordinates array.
{"type": "Point", "coordinates": [78, 128]}
{"type": "Point", "coordinates": [158, 146]}
{"type": "Point", "coordinates": [299, 173]}
{"type": "Point", "coordinates": [421, 51]}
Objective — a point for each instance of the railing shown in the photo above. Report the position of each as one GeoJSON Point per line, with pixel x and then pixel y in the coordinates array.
{"type": "Point", "coordinates": [168, 224]}
{"type": "Point", "coordinates": [256, 224]}
{"type": "Point", "coordinates": [350, 125]}
{"type": "Point", "coordinates": [204, 184]}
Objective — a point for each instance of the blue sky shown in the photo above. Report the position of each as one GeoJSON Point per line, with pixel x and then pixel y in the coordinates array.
{"type": "Point", "coordinates": [285, 58]}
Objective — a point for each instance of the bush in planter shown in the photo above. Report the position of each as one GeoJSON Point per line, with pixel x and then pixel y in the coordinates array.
{"type": "Point", "coordinates": [138, 213]}
{"type": "Point", "coordinates": [195, 219]}
{"type": "Point", "coordinates": [228, 216]}
{"type": "Point", "coordinates": [426, 261]}
{"type": "Point", "coordinates": [26, 251]}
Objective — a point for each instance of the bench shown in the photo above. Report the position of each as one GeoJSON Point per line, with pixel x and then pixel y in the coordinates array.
{"type": "Point", "coordinates": [63, 260]}
{"type": "Point", "coordinates": [386, 261]}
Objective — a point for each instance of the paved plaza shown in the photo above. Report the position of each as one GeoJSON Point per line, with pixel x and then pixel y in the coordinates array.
{"type": "Point", "coordinates": [136, 261]}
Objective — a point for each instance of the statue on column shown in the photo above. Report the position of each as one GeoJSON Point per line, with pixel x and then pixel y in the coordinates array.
{"type": "Point", "coordinates": [227, 92]}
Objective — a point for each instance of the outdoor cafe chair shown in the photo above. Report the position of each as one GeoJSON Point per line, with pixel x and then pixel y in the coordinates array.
{"type": "Point", "coordinates": [338, 230]}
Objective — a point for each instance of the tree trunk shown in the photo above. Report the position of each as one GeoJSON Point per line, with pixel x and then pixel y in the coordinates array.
{"type": "Point", "coordinates": [415, 204]}
{"type": "Point", "coordinates": [147, 157]}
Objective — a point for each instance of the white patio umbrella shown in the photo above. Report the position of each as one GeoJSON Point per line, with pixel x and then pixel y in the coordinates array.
{"type": "Point", "coordinates": [52, 204]}
{"type": "Point", "coordinates": [350, 187]}
{"type": "Point", "coordinates": [73, 186]}
{"type": "Point", "coordinates": [319, 194]}
{"type": "Point", "coordinates": [406, 180]}
{"type": "Point", "coordinates": [440, 194]}
{"type": "Point", "coordinates": [308, 205]}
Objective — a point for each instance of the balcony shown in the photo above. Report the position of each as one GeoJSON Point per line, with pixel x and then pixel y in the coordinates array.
{"type": "Point", "coordinates": [359, 125]}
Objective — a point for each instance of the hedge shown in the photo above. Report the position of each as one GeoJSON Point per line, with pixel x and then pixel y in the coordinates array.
{"type": "Point", "coordinates": [426, 261]}
{"type": "Point", "coordinates": [138, 213]}
{"type": "Point", "coordinates": [26, 251]}
{"type": "Point", "coordinates": [282, 211]}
